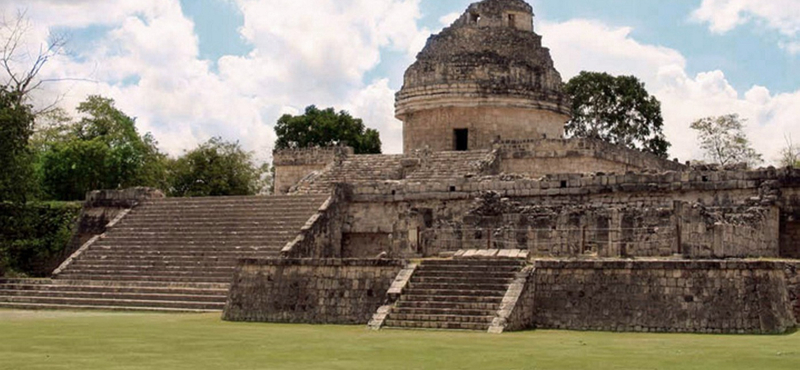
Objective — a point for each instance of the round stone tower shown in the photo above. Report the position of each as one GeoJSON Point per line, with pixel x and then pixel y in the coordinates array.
{"type": "Point", "coordinates": [485, 77]}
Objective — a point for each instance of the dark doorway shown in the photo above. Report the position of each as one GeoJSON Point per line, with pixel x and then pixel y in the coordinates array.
{"type": "Point", "coordinates": [461, 139]}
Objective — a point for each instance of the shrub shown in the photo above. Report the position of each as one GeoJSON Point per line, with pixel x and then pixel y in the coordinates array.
{"type": "Point", "coordinates": [35, 238]}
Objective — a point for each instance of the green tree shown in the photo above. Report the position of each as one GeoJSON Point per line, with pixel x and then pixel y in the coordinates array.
{"type": "Point", "coordinates": [618, 110]}
{"type": "Point", "coordinates": [101, 151]}
{"type": "Point", "coordinates": [16, 127]}
{"type": "Point", "coordinates": [326, 128]}
{"type": "Point", "coordinates": [724, 141]}
{"type": "Point", "coordinates": [215, 168]}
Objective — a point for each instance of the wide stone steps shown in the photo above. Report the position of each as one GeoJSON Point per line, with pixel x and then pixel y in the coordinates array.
{"type": "Point", "coordinates": [416, 297]}
{"type": "Point", "coordinates": [170, 255]}
{"type": "Point", "coordinates": [154, 278]}
{"type": "Point", "coordinates": [156, 226]}
{"type": "Point", "coordinates": [144, 270]}
{"type": "Point", "coordinates": [117, 285]}
{"type": "Point", "coordinates": [452, 318]}
{"type": "Point", "coordinates": [116, 295]}
{"type": "Point", "coordinates": [201, 215]}
{"type": "Point", "coordinates": [449, 305]}
{"type": "Point", "coordinates": [114, 287]}
{"type": "Point", "coordinates": [463, 279]}
{"type": "Point", "coordinates": [458, 294]}
{"type": "Point", "coordinates": [458, 286]}
{"type": "Point", "coordinates": [116, 301]}
{"type": "Point", "coordinates": [494, 269]}
{"type": "Point", "coordinates": [162, 263]}
{"type": "Point", "coordinates": [451, 275]}
{"type": "Point", "coordinates": [111, 295]}
{"type": "Point", "coordinates": [435, 325]}
{"type": "Point", "coordinates": [187, 253]}
{"type": "Point", "coordinates": [74, 307]}
{"type": "Point", "coordinates": [447, 311]}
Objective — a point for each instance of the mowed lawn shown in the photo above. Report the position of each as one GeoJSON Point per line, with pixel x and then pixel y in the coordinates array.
{"type": "Point", "coordinates": [99, 340]}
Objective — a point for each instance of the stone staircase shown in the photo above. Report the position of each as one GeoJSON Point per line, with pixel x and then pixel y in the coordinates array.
{"type": "Point", "coordinates": [442, 166]}
{"type": "Point", "coordinates": [460, 294]}
{"type": "Point", "coordinates": [169, 254]}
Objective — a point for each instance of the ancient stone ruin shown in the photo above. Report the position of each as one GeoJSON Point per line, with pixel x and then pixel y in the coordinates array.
{"type": "Point", "coordinates": [491, 220]}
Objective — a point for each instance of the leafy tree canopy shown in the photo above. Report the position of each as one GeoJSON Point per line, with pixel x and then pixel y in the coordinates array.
{"type": "Point", "coordinates": [724, 141]}
{"type": "Point", "coordinates": [16, 128]}
{"type": "Point", "coordinates": [101, 151]}
{"type": "Point", "coordinates": [618, 110]}
{"type": "Point", "coordinates": [326, 128]}
{"type": "Point", "coordinates": [215, 168]}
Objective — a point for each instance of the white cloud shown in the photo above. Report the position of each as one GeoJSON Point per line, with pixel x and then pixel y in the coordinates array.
{"type": "Point", "coordinates": [304, 52]}
{"type": "Point", "coordinates": [319, 52]}
{"type": "Point", "coordinates": [448, 19]}
{"type": "Point", "coordinates": [780, 15]}
{"type": "Point", "coordinates": [588, 45]}
{"type": "Point", "coordinates": [376, 104]}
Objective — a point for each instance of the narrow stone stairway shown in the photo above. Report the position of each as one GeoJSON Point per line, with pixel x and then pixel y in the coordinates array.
{"type": "Point", "coordinates": [459, 294]}
{"type": "Point", "coordinates": [174, 254]}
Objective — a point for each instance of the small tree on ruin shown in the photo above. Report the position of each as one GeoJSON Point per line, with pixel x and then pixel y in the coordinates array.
{"type": "Point", "coordinates": [724, 142]}
{"type": "Point", "coordinates": [618, 110]}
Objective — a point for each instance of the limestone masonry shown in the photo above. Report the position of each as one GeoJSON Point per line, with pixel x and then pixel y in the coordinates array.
{"type": "Point", "coordinates": [491, 220]}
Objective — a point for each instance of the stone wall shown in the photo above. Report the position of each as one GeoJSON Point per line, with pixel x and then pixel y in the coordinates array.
{"type": "Point", "coordinates": [663, 296]}
{"type": "Point", "coordinates": [309, 291]}
{"type": "Point", "coordinates": [321, 236]}
{"type": "Point", "coordinates": [537, 157]}
{"type": "Point", "coordinates": [793, 282]}
{"type": "Point", "coordinates": [434, 128]}
{"type": "Point", "coordinates": [292, 165]}
{"type": "Point", "coordinates": [729, 232]}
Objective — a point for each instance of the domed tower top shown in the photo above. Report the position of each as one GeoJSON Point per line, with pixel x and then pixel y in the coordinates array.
{"type": "Point", "coordinates": [499, 13]}
{"type": "Point", "coordinates": [485, 77]}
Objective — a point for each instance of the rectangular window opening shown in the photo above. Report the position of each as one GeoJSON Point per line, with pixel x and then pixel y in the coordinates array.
{"type": "Point", "coordinates": [512, 21]}
{"type": "Point", "coordinates": [461, 139]}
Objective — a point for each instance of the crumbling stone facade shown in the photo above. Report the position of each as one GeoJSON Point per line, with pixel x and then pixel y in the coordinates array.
{"type": "Point", "coordinates": [663, 296]}
{"type": "Point", "coordinates": [320, 291]}
{"type": "Point", "coordinates": [617, 239]}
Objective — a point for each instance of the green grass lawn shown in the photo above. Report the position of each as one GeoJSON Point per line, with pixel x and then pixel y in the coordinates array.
{"type": "Point", "coordinates": [98, 340]}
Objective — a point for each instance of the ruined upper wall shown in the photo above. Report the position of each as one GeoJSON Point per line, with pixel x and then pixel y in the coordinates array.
{"type": "Point", "coordinates": [536, 158]}
{"type": "Point", "coordinates": [292, 165]}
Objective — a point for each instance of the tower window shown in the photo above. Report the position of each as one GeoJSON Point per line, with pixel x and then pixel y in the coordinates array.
{"type": "Point", "coordinates": [474, 18]}
{"type": "Point", "coordinates": [512, 21]}
{"type": "Point", "coordinates": [461, 140]}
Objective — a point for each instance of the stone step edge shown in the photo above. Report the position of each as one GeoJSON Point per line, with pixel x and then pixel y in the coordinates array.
{"type": "Point", "coordinates": [177, 297]}
{"type": "Point", "coordinates": [101, 282]}
{"type": "Point", "coordinates": [67, 307]}
{"type": "Point", "coordinates": [114, 301]}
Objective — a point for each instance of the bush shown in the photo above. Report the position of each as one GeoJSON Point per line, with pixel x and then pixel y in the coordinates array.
{"type": "Point", "coordinates": [35, 238]}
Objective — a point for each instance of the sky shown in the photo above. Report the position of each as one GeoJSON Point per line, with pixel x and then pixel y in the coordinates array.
{"type": "Point", "coordinates": [188, 70]}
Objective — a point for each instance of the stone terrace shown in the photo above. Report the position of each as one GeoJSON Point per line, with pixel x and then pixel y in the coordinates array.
{"type": "Point", "coordinates": [168, 254]}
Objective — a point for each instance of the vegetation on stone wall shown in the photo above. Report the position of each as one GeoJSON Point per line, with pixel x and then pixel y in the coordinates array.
{"type": "Point", "coordinates": [34, 237]}
{"type": "Point", "coordinates": [618, 110]}
{"type": "Point", "coordinates": [790, 155]}
{"type": "Point", "coordinates": [724, 142]}
{"type": "Point", "coordinates": [326, 128]}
